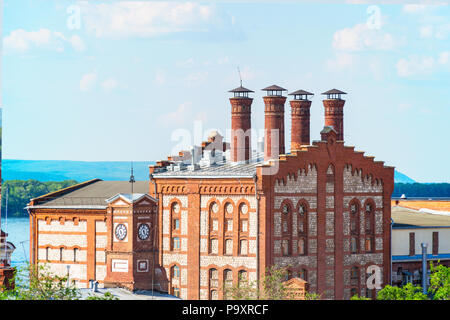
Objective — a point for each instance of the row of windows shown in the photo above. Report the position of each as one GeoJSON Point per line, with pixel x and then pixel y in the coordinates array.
{"type": "Point", "coordinates": [61, 252]}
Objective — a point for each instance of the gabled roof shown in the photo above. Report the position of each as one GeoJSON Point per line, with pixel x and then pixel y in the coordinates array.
{"type": "Point", "coordinates": [130, 198]}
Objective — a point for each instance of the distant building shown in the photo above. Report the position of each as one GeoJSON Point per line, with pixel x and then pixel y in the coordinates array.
{"type": "Point", "coordinates": [6, 271]}
{"type": "Point", "coordinates": [98, 230]}
{"type": "Point", "coordinates": [416, 222]}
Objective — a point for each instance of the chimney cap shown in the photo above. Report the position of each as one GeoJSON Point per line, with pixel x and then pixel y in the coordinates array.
{"type": "Point", "coordinates": [298, 95]}
{"type": "Point", "coordinates": [334, 91]}
{"type": "Point", "coordinates": [241, 89]}
{"type": "Point", "coordinates": [274, 88]}
{"type": "Point", "coordinates": [334, 94]}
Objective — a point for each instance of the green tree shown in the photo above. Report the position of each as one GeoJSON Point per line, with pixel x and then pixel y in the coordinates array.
{"type": "Point", "coordinates": [38, 283]}
{"type": "Point", "coordinates": [271, 287]}
{"type": "Point", "coordinates": [21, 191]}
{"type": "Point", "coordinates": [439, 282]}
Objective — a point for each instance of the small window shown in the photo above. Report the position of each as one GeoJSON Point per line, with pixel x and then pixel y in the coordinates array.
{"type": "Point", "coordinates": [61, 251]}
{"type": "Point", "coordinates": [243, 280]}
{"type": "Point", "coordinates": [175, 272]}
{"type": "Point", "coordinates": [75, 251]}
{"type": "Point", "coordinates": [243, 247]}
{"type": "Point", "coordinates": [228, 246]}
{"type": "Point", "coordinates": [176, 291]}
{"type": "Point", "coordinates": [285, 247]}
{"type": "Point", "coordinates": [244, 225]}
{"type": "Point", "coordinates": [176, 224]}
{"type": "Point", "coordinates": [302, 274]}
{"type": "Point", "coordinates": [301, 246]}
{"type": "Point", "coordinates": [369, 245]}
{"type": "Point", "coordinates": [353, 245]}
{"type": "Point", "coordinates": [214, 246]}
{"type": "Point", "coordinates": [176, 243]}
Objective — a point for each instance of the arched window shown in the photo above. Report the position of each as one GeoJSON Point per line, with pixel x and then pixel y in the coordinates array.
{"type": "Point", "coordinates": [214, 295]}
{"type": "Point", "coordinates": [243, 279]}
{"type": "Point", "coordinates": [61, 252]}
{"type": "Point", "coordinates": [354, 208]}
{"type": "Point", "coordinates": [228, 246]}
{"type": "Point", "coordinates": [175, 226]}
{"type": "Point", "coordinates": [303, 274]}
{"type": "Point", "coordinates": [243, 247]}
{"type": "Point", "coordinates": [302, 219]}
{"type": "Point", "coordinates": [213, 217]}
{"type": "Point", "coordinates": [175, 272]}
{"type": "Point", "coordinates": [213, 278]}
{"type": "Point", "coordinates": [354, 276]}
{"type": "Point", "coordinates": [286, 227]}
{"type": "Point", "coordinates": [243, 218]}
{"type": "Point", "coordinates": [228, 283]}
{"type": "Point", "coordinates": [213, 246]}
{"type": "Point", "coordinates": [47, 253]}
{"type": "Point", "coordinates": [75, 252]}
{"type": "Point", "coordinates": [369, 217]}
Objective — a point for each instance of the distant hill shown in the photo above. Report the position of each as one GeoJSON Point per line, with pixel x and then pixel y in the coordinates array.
{"type": "Point", "coordinates": [402, 178]}
{"type": "Point", "coordinates": [59, 170]}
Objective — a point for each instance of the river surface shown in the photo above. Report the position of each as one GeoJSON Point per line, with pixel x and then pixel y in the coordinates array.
{"type": "Point", "coordinates": [18, 230]}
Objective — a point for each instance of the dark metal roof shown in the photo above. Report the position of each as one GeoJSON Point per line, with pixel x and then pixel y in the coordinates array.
{"type": "Point", "coordinates": [298, 92]}
{"type": "Point", "coordinates": [274, 88]}
{"type": "Point", "coordinates": [241, 89]}
{"type": "Point", "coordinates": [94, 194]}
{"type": "Point", "coordinates": [334, 91]}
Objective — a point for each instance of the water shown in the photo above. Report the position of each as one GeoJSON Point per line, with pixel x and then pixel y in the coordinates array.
{"type": "Point", "coordinates": [18, 230]}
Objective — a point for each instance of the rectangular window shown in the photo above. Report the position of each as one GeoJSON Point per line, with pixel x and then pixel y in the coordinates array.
{"type": "Point", "coordinates": [435, 243]}
{"type": "Point", "coordinates": [412, 244]}
{"type": "Point", "coordinates": [285, 247]}
{"type": "Point", "coordinates": [244, 225]}
{"type": "Point", "coordinates": [368, 245]}
{"type": "Point", "coordinates": [176, 224]}
{"type": "Point", "coordinates": [176, 292]}
{"type": "Point", "coordinates": [176, 243]}
{"type": "Point", "coordinates": [243, 247]}
{"type": "Point", "coordinates": [229, 225]}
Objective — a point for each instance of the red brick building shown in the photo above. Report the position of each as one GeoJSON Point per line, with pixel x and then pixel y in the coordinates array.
{"type": "Point", "coordinates": [97, 230]}
{"type": "Point", "coordinates": [227, 214]}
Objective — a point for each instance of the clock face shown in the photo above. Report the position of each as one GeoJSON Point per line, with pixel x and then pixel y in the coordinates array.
{"type": "Point", "coordinates": [121, 231]}
{"type": "Point", "coordinates": [143, 231]}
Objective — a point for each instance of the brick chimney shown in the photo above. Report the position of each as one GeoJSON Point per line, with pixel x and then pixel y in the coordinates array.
{"type": "Point", "coordinates": [241, 125]}
{"type": "Point", "coordinates": [334, 111]}
{"type": "Point", "coordinates": [300, 119]}
{"type": "Point", "coordinates": [274, 121]}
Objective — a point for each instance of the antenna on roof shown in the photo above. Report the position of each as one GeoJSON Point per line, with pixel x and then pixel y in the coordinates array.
{"type": "Point", "coordinates": [132, 181]}
{"type": "Point", "coordinates": [240, 78]}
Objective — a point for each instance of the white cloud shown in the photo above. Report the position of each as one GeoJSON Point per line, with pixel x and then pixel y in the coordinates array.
{"type": "Point", "coordinates": [148, 19]}
{"type": "Point", "coordinates": [341, 61]}
{"type": "Point", "coordinates": [196, 77]}
{"type": "Point", "coordinates": [177, 117]}
{"type": "Point", "coordinates": [185, 63]}
{"type": "Point", "coordinates": [109, 84]}
{"type": "Point", "coordinates": [77, 43]}
{"type": "Point", "coordinates": [361, 37]}
{"type": "Point", "coordinates": [88, 81]}
{"type": "Point", "coordinates": [21, 41]}
{"type": "Point", "coordinates": [415, 8]}
{"type": "Point", "coordinates": [423, 65]}
{"type": "Point", "coordinates": [438, 31]}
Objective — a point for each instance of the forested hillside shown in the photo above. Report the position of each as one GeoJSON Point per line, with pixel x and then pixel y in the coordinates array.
{"type": "Point", "coordinates": [21, 191]}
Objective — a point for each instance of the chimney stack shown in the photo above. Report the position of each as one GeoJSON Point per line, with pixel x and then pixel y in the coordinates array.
{"type": "Point", "coordinates": [334, 111]}
{"type": "Point", "coordinates": [274, 122]}
{"type": "Point", "coordinates": [300, 119]}
{"type": "Point", "coordinates": [241, 125]}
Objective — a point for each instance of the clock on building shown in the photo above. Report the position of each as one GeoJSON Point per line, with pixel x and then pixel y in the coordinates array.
{"type": "Point", "coordinates": [143, 231]}
{"type": "Point", "coordinates": [121, 231]}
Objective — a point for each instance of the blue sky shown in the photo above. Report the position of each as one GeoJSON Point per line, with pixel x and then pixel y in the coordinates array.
{"type": "Point", "coordinates": [132, 77]}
